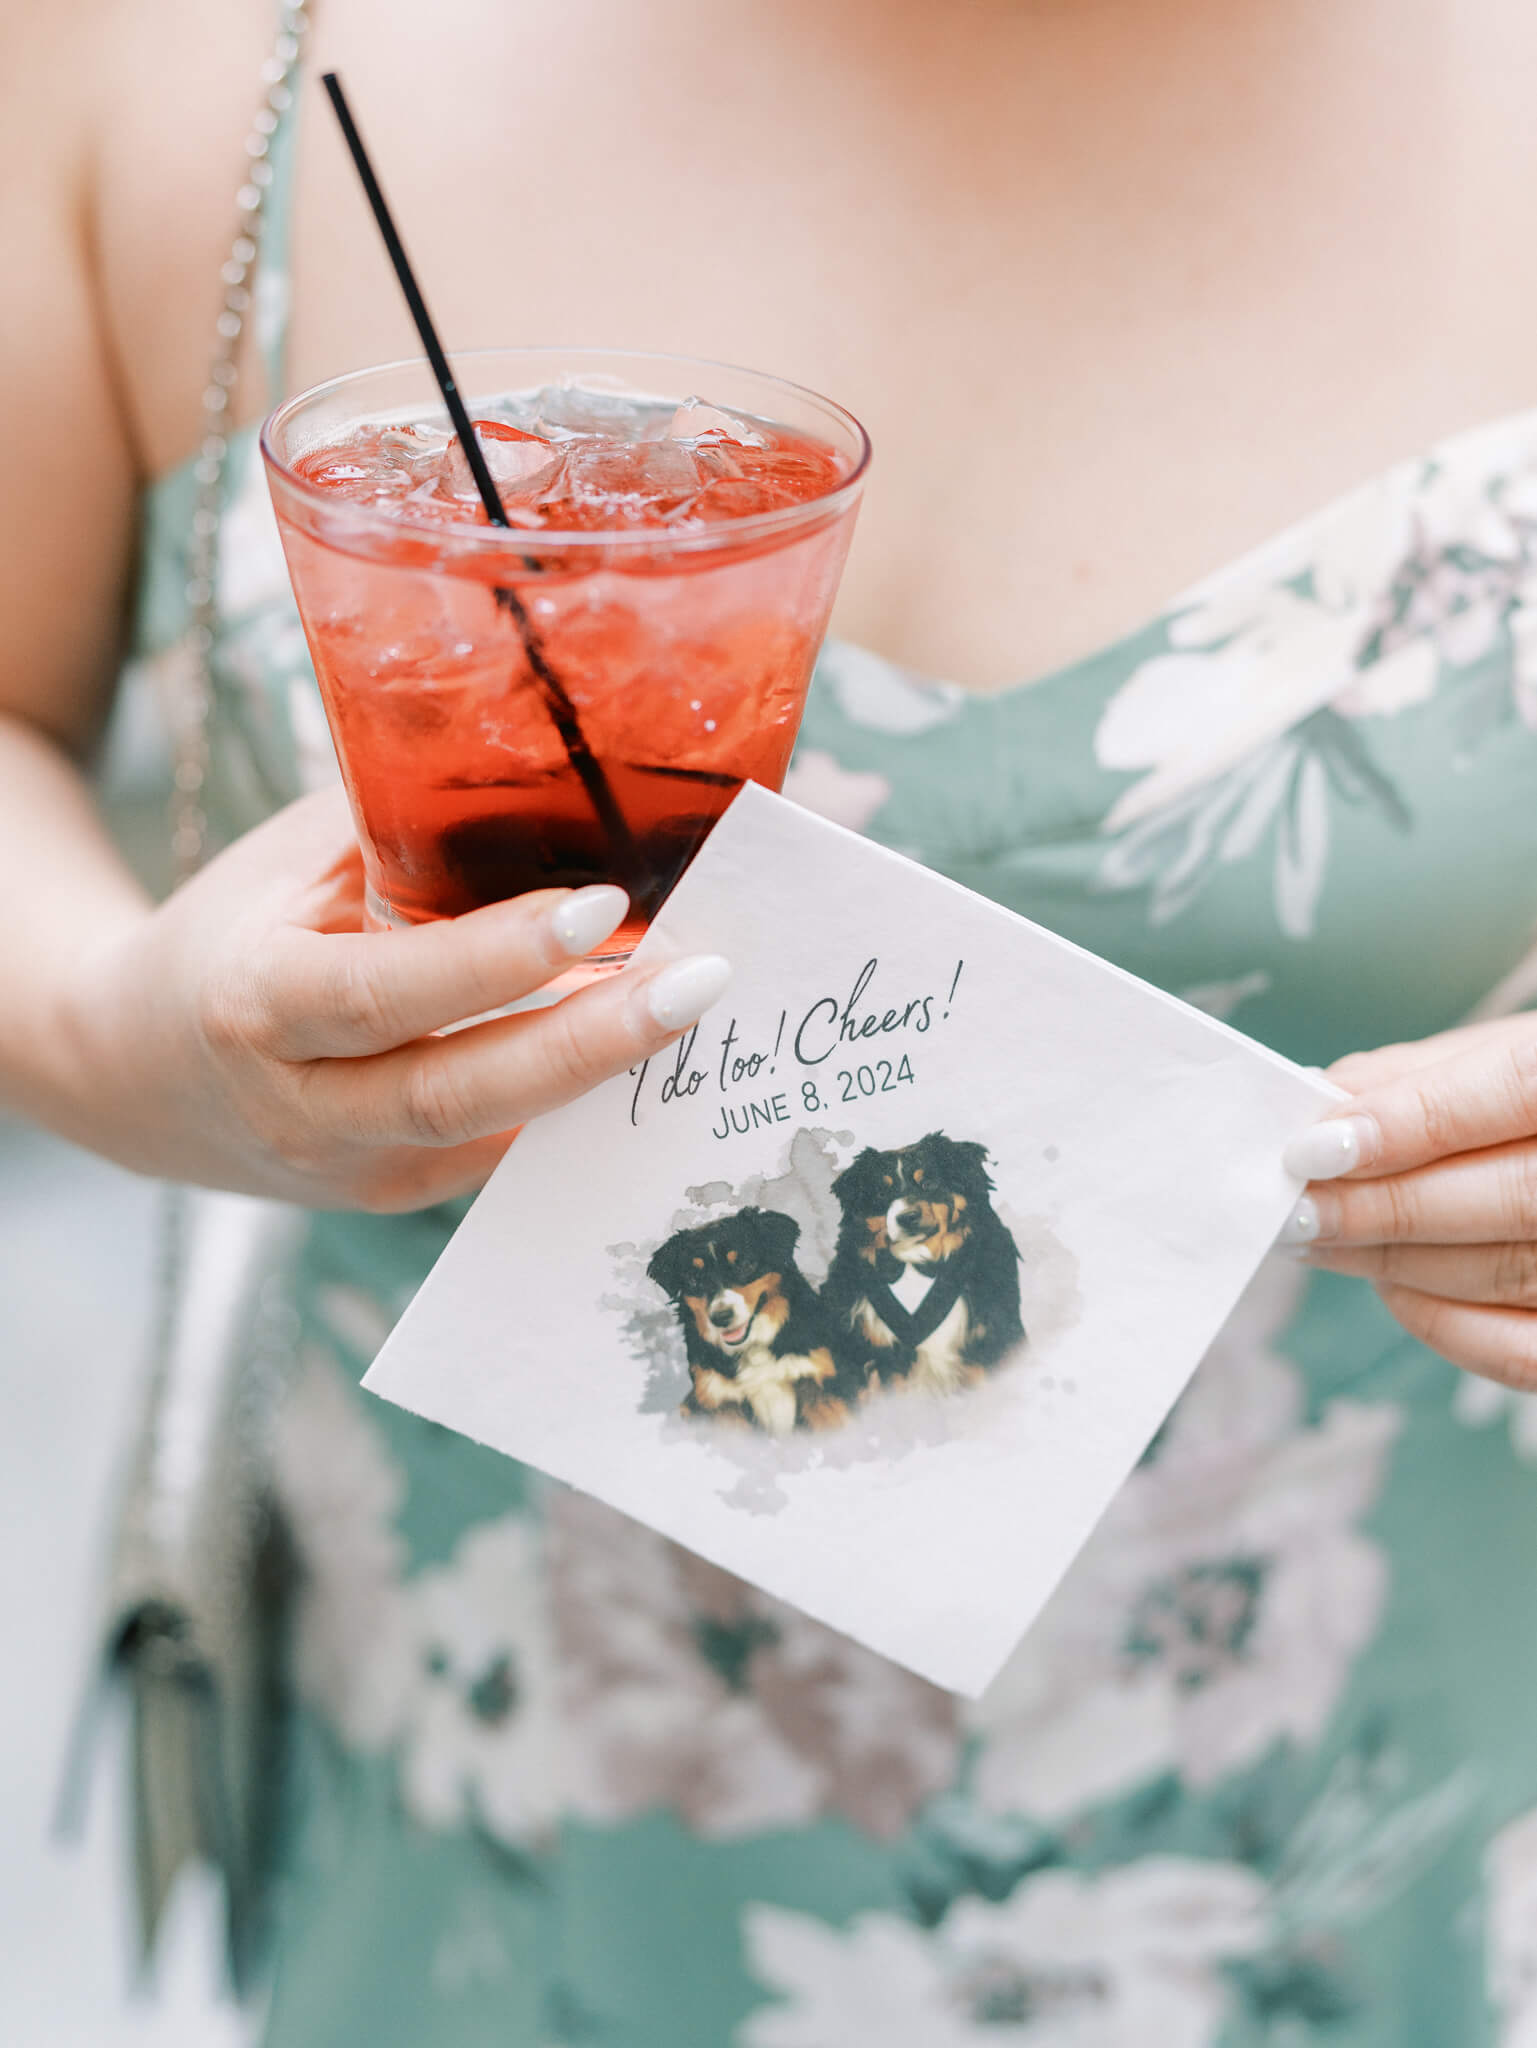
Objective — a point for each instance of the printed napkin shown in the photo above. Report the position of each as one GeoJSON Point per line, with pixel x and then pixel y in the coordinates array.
{"type": "Point", "coordinates": [873, 1288]}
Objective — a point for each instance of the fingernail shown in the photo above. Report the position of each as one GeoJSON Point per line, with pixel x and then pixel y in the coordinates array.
{"type": "Point", "coordinates": [1301, 1226]}
{"type": "Point", "coordinates": [1316, 1217]}
{"type": "Point", "coordinates": [685, 990]}
{"type": "Point", "coordinates": [586, 916]}
{"type": "Point", "coordinates": [1329, 1149]}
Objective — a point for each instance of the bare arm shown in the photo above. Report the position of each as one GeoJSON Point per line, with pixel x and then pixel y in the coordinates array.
{"type": "Point", "coordinates": [63, 569]}
{"type": "Point", "coordinates": [244, 1034]}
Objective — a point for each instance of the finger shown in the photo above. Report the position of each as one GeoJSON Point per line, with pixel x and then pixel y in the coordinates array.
{"type": "Point", "coordinates": [347, 995]}
{"type": "Point", "coordinates": [1479, 1198]}
{"type": "Point", "coordinates": [1483, 1095]}
{"type": "Point", "coordinates": [482, 1081]}
{"type": "Point", "coordinates": [1360, 1071]}
{"type": "Point", "coordinates": [1497, 1343]}
{"type": "Point", "coordinates": [410, 1177]}
{"type": "Point", "coordinates": [1503, 1275]}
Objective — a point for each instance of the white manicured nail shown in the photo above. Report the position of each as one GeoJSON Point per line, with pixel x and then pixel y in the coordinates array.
{"type": "Point", "coordinates": [1329, 1149]}
{"type": "Point", "coordinates": [587, 916]}
{"type": "Point", "coordinates": [684, 991]}
{"type": "Point", "coordinates": [1301, 1227]}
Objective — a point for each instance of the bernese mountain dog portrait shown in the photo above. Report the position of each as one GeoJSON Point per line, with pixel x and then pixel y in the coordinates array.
{"type": "Point", "coordinates": [754, 1331]}
{"type": "Point", "coordinates": [923, 1290]}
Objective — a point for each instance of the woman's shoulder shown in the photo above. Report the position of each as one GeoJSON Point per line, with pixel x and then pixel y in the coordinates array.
{"type": "Point", "coordinates": [115, 122]}
{"type": "Point", "coordinates": [156, 98]}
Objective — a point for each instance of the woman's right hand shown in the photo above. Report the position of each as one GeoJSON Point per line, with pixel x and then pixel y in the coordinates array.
{"type": "Point", "coordinates": [245, 1034]}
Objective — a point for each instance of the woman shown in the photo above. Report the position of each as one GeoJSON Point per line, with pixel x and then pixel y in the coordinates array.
{"type": "Point", "coordinates": [1121, 290]}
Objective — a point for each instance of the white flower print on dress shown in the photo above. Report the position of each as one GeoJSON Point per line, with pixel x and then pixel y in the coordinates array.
{"type": "Point", "coordinates": [449, 1670]}
{"type": "Point", "coordinates": [1222, 998]}
{"type": "Point", "coordinates": [479, 1739]}
{"type": "Point", "coordinates": [252, 572]}
{"type": "Point", "coordinates": [315, 762]}
{"type": "Point", "coordinates": [817, 783]}
{"type": "Point", "coordinates": [262, 656]}
{"type": "Point", "coordinates": [270, 312]}
{"type": "Point", "coordinates": [1220, 1604]}
{"type": "Point", "coordinates": [684, 1688]}
{"type": "Point", "coordinates": [1249, 725]}
{"type": "Point", "coordinates": [1068, 1961]}
{"type": "Point", "coordinates": [1510, 1922]}
{"type": "Point", "coordinates": [1479, 1402]}
{"type": "Point", "coordinates": [355, 1317]}
{"type": "Point", "coordinates": [876, 694]}
{"type": "Point", "coordinates": [1523, 640]}
{"type": "Point", "coordinates": [340, 1494]}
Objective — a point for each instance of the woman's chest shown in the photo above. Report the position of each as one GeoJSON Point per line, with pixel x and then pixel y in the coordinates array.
{"type": "Point", "coordinates": [1118, 290]}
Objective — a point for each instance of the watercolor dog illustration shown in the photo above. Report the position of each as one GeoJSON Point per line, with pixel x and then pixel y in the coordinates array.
{"type": "Point", "coordinates": [923, 1290]}
{"type": "Point", "coordinates": [753, 1328]}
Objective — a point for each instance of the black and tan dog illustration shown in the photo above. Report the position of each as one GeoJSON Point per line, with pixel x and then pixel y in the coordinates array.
{"type": "Point", "coordinates": [754, 1331]}
{"type": "Point", "coordinates": [924, 1286]}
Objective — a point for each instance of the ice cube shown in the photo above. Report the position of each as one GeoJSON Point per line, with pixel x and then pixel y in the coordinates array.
{"type": "Point", "coordinates": [667, 469]}
{"type": "Point", "coordinates": [718, 461]}
{"type": "Point", "coordinates": [696, 420]}
{"type": "Point", "coordinates": [742, 498]}
{"type": "Point", "coordinates": [431, 503]}
{"type": "Point", "coordinates": [624, 483]}
{"type": "Point", "coordinates": [564, 409]}
{"type": "Point", "coordinates": [512, 409]}
{"type": "Point", "coordinates": [519, 463]}
{"type": "Point", "coordinates": [365, 481]}
{"type": "Point", "coordinates": [414, 448]}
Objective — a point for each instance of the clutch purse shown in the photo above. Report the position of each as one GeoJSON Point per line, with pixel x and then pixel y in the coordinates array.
{"type": "Point", "coordinates": [197, 1585]}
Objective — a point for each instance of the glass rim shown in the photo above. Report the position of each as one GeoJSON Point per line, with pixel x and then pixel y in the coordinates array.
{"type": "Point", "coordinates": [476, 539]}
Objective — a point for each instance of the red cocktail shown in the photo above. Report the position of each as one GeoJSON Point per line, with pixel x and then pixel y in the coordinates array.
{"type": "Point", "coordinates": [575, 699]}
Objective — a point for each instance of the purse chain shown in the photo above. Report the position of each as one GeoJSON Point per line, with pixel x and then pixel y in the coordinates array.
{"type": "Point", "coordinates": [194, 709]}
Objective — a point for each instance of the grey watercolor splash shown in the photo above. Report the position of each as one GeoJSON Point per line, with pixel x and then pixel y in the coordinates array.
{"type": "Point", "coordinates": [803, 1188]}
{"type": "Point", "coordinates": [883, 1429]}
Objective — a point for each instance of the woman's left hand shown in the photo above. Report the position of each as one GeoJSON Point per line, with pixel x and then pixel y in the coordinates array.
{"type": "Point", "coordinates": [1426, 1184]}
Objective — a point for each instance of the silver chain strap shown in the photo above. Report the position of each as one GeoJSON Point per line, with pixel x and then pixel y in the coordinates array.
{"type": "Point", "coordinates": [189, 817]}
{"type": "Point", "coordinates": [192, 704]}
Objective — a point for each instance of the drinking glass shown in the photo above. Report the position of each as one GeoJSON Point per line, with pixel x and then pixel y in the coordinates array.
{"type": "Point", "coordinates": [520, 708]}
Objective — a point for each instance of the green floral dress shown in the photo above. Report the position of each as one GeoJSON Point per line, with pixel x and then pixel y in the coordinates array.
{"type": "Point", "coordinates": [1266, 1771]}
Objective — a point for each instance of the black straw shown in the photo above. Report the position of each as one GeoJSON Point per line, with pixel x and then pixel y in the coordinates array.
{"type": "Point", "coordinates": [562, 710]}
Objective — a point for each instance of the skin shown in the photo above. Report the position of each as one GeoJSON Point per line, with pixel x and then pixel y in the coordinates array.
{"type": "Point", "coordinates": [1441, 1215]}
{"type": "Point", "coordinates": [1172, 257]}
